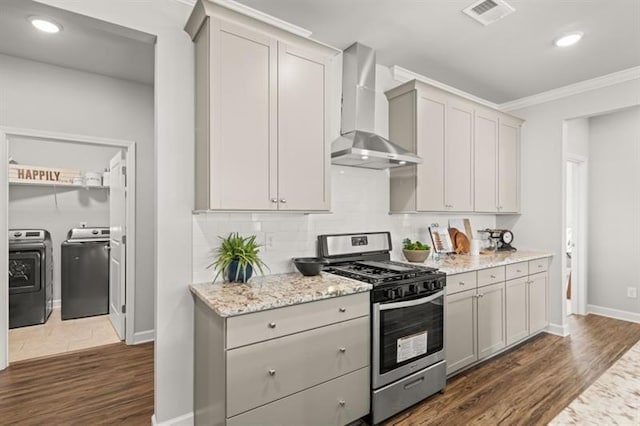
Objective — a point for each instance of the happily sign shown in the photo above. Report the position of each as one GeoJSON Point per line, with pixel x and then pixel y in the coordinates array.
{"type": "Point", "coordinates": [19, 173]}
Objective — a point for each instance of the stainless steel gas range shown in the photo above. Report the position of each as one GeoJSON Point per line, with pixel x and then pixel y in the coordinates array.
{"type": "Point", "coordinates": [407, 319]}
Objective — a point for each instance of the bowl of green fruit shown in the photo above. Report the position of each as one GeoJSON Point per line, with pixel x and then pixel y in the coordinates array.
{"type": "Point", "coordinates": [415, 251]}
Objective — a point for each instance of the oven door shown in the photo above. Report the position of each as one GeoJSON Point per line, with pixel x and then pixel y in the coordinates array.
{"type": "Point", "coordinates": [24, 272]}
{"type": "Point", "coordinates": [407, 336]}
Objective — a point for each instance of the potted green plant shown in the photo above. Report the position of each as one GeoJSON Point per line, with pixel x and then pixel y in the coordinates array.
{"type": "Point", "coordinates": [415, 251]}
{"type": "Point", "coordinates": [237, 257]}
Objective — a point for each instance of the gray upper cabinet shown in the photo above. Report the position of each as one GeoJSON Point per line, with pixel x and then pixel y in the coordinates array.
{"type": "Point", "coordinates": [471, 154]}
{"type": "Point", "coordinates": [262, 138]}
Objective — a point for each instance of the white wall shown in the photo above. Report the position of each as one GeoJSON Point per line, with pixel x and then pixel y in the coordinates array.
{"type": "Point", "coordinates": [174, 136]}
{"type": "Point", "coordinates": [578, 137]}
{"type": "Point", "coordinates": [542, 222]}
{"type": "Point", "coordinates": [360, 203]}
{"type": "Point", "coordinates": [58, 209]}
{"type": "Point", "coordinates": [614, 210]}
{"type": "Point", "coordinates": [50, 98]}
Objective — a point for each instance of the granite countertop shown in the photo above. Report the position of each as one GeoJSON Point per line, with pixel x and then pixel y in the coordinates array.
{"type": "Point", "coordinates": [274, 291]}
{"type": "Point", "coordinates": [457, 264]}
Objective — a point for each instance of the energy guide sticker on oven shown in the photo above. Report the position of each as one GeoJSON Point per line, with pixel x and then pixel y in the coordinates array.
{"type": "Point", "coordinates": [412, 346]}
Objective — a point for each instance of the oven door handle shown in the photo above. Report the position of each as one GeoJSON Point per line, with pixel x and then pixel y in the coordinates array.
{"type": "Point", "coordinates": [414, 302]}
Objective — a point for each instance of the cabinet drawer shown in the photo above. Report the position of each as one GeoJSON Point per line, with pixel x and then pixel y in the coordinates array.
{"type": "Point", "coordinates": [491, 276]}
{"type": "Point", "coordinates": [337, 402]}
{"type": "Point", "coordinates": [461, 282]}
{"type": "Point", "coordinates": [517, 270]}
{"type": "Point", "coordinates": [256, 327]}
{"type": "Point", "coordinates": [263, 372]}
{"type": "Point", "coordinates": [538, 265]}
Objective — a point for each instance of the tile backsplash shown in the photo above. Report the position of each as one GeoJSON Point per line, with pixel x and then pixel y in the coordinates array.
{"type": "Point", "coordinates": [359, 203]}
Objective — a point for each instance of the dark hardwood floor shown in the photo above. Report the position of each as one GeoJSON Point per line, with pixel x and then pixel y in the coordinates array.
{"type": "Point", "coordinates": [107, 385]}
{"type": "Point", "coordinates": [528, 385]}
{"type": "Point", "coordinates": [531, 384]}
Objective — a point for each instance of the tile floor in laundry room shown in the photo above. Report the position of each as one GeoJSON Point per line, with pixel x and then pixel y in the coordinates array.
{"type": "Point", "coordinates": [58, 337]}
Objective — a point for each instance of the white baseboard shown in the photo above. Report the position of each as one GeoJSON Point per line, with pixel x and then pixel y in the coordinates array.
{"type": "Point", "coordinates": [184, 420]}
{"type": "Point", "coordinates": [613, 313]}
{"type": "Point", "coordinates": [558, 330]}
{"type": "Point", "coordinates": [144, 336]}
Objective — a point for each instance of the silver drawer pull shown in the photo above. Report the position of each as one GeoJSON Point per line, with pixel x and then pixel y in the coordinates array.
{"type": "Point", "coordinates": [414, 383]}
{"type": "Point", "coordinates": [493, 276]}
{"type": "Point", "coordinates": [461, 283]}
{"type": "Point", "coordinates": [274, 200]}
{"type": "Point", "coordinates": [272, 372]}
{"type": "Point", "coordinates": [283, 200]}
{"type": "Point", "coordinates": [342, 309]}
{"type": "Point", "coordinates": [343, 349]}
{"type": "Point", "coordinates": [342, 402]}
{"type": "Point", "coordinates": [272, 325]}
{"type": "Point", "coordinates": [539, 266]}
{"type": "Point", "coordinates": [481, 295]}
{"type": "Point", "coordinates": [518, 270]}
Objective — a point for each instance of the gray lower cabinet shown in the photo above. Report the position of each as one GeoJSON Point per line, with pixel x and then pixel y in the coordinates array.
{"type": "Point", "coordinates": [460, 330]}
{"type": "Point", "coordinates": [310, 367]}
{"type": "Point", "coordinates": [491, 319]}
{"type": "Point", "coordinates": [484, 317]}
{"type": "Point", "coordinates": [538, 310]}
{"type": "Point", "coordinates": [337, 402]}
{"type": "Point", "coordinates": [517, 308]}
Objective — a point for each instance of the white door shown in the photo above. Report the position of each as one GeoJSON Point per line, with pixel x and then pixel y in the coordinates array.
{"type": "Point", "coordinates": [117, 220]}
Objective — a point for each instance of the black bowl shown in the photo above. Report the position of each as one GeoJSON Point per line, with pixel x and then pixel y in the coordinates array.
{"type": "Point", "coordinates": [309, 266]}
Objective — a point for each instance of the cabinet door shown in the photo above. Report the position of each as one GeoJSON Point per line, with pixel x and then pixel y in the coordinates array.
{"type": "Point", "coordinates": [243, 129]}
{"type": "Point", "coordinates": [458, 158]}
{"type": "Point", "coordinates": [517, 310]}
{"type": "Point", "coordinates": [460, 330]}
{"type": "Point", "coordinates": [303, 150]}
{"type": "Point", "coordinates": [491, 319]}
{"type": "Point", "coordinates": [486, 161]}
{"type": "Point", "coordinates": [537, 302]}
{"type": "Point", "coordinates": [508, 167]}
{"type": "Point", "coordinates": [430, 145]}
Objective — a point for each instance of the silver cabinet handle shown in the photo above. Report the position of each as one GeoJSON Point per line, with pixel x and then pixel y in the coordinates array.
{"type": "Point", "coordinates": [518, 270]}
{"type": "Point", "coordinates": [342, 402]}
{"type": "Point", "coordinates": [342, 309]}
{"type": "Point", "coordinates": [274, 200]}
{"type": "Point", "coordinates": [539, 266]}
{"type": "Point", "coordinates": [481, 295]}
{"type": "Point", "coordinates": [461, 283]}
{"type": "Point", "coordinates": [272, 372]}
{"type": "Point", "coordinates": [492, 276]}
{"type": "Point", "coordinates": [343, 349]}
{"type": "Point", "coordinates": [272, 325]}
{"type": "Point", "coordinates": [283, 200]}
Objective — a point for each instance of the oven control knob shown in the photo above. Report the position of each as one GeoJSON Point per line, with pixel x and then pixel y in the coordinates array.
{"type": "Point", "coordinates": [400, 291]}
{"type": "Point", "coordinates": [391, 294]}
{"type": "Point", "coordinates": [426, 286]}
{"type": "Point", "coordinates": [414, 289]}
{"type": "Point", "coordinates": [439, 285]}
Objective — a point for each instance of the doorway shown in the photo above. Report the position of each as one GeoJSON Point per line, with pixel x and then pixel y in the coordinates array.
{"type": "Point", "coordinates": [58, 334]}
{"type": "Point", "coordinates": [575, 235]}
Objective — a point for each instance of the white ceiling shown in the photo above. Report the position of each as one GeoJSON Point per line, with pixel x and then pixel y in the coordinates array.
{"type": "Point", "coordinates": [508, 60]}
{"type": "Point", "coordinates": [84, 43]}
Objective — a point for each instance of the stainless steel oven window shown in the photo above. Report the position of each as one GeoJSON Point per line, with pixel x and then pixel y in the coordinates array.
{"type": "Point", "coordinates": [434, 307]}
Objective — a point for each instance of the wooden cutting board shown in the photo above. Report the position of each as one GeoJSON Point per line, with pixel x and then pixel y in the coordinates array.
{"type": "Point", "coordinates": [460, 241]}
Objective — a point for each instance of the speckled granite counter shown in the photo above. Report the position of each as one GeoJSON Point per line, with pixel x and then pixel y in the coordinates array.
{"type": "Point", "coordinates": [274, 291]}
{"type": "Point", "coordinates": [457, 264]}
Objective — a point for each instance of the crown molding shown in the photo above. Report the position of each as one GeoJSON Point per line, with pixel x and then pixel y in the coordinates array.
{"type": "Point", "coordinates": [256, 14]}
{"type": "Point", "coordinates": [404, 75]}
{"type": "Point", "coordinates": [573, 89]}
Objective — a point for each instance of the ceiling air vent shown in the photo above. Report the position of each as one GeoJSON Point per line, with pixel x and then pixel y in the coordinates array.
{"type": "Point", "coordinates": [488, 11]}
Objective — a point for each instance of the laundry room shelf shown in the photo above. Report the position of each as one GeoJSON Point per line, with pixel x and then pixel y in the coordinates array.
{"type": "Point", "coordinates": [60, 185]}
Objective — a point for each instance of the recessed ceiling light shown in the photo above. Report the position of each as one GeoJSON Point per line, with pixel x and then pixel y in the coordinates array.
{"type": "Point", "coordinates": [45, 25]}
{"type": "Point", "coordinates": [568, 39]}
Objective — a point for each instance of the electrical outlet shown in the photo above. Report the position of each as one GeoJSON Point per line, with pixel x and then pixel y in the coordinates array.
{"type": "Point", "coordinates": [632, 292]}
{"type": "Point", "coordinates": [269, 242]}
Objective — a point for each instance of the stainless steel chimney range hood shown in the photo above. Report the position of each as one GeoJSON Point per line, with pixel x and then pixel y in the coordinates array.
{"type": "Point", "coordinates": [358, 145]}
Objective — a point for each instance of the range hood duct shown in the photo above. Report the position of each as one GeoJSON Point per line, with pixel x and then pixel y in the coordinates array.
{"type": "Point", "coordinates": [358, 145]}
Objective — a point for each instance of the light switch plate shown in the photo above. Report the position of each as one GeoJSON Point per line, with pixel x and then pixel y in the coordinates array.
{"type": "Point", "coordinates": [632, 292]}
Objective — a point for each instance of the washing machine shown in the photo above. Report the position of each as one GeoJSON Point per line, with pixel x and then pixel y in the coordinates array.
{"type": "Point", "coordinates": [30, 277]}
{"type": "Point", "coordinates": [85, 273]}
